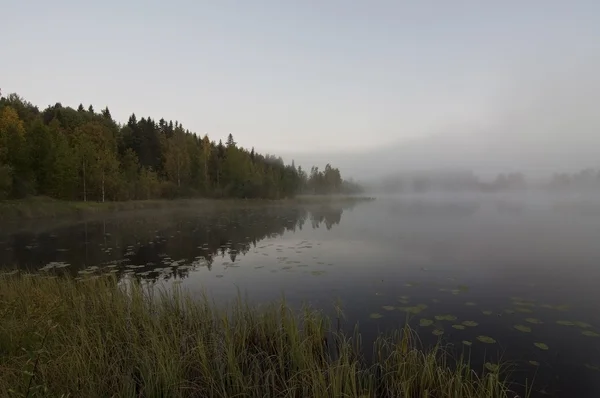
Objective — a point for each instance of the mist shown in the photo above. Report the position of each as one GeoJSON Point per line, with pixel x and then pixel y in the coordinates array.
{"type": "Point", "coordinates": [544, 120]}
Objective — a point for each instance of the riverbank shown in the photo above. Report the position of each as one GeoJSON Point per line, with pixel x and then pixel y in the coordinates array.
{"type": "Point", "coordinates": [47, 208]}
{"type": "Point", "coordinates": [99, 337]}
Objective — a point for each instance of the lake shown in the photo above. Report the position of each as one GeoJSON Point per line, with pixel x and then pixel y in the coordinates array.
{"type": "Point", "coordinates": [512, 278]}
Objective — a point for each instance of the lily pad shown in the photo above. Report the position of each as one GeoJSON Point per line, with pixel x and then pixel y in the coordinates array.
{"type": "Point", "coordinates": [534, 363]}
{"type": "Point", "coordinates": [470, 304]}
{"type": "Point", "coordinates": [375, 315]}
{"type": "Point", "coordinates": [403, 301]}
{"type": "Point", "coordinates": [411, 284]}
{"type": "Point", "coordinates": [445, 317]}
{"type": "Point", "coordinates": [467, 343]}
{"type": "Point", "coordinates": [492, 367]}
{"type": "Point", "coordinates": [522, 328]}
{"type": "Point", "coordinates": [590, 333]}
{"type": "Point", "coordinates": [524, 303]}
{"type": "Point", "coordinates": [565, 323]}
{"type": "Point", "coordinates": [486, 339]}
{"type": "Point", "coordinates": [470, 323]}
{"type": "Point", "coordinates": [455, 292]}
{"type": "Point", "coordinates": [435, 300]}
{"type": "Point", "coordinates": [541, 346]}
{"type": "Point", "coordinates": [422, 306]}
{"type": "Point", "coordinates": [523, 310]}
{"type": "Point", "coordinates": [535, 321]}
{"type": "Point", "coordinates": [404, 297]}
{"type": "Point", "coordinates": [388, 307]}
{"type": "Point", "coordinates": [592, 367]}
{"type": "Point", "coordinates": [425, 322]}
{"type": "Point", "coordinates": [437, 332]}
{"type": "Point", "coordinates": [487, 312]}
{"type": "Point", "coordinates": [459, 327]}
{"type": "Point", "coordinates": [583, 325]}
{"type": "Point", "coordinates": [411, 310]}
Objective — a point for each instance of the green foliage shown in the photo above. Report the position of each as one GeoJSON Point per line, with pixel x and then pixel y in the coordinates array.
{"type": "Point", "coordinates": [100, 337]}
{"type": "Point", "coordinates": [78, 154]}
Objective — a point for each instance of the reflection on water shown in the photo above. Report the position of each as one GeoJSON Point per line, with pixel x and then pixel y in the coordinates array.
{"type": "Point", "coordinates": [161, 246]}
{"type": "Point", "coordinates": [512, 279]}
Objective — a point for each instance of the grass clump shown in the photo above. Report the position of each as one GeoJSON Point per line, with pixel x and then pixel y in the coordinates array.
{"type": "Point", "coordinates": [99, 337]}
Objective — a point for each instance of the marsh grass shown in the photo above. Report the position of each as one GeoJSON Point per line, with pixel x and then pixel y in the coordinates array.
{"type": "Point", "coordinates": [102, 338]}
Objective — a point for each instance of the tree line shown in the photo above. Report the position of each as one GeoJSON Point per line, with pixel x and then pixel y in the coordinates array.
{"type": "Point", "coordinates": [81, 154]}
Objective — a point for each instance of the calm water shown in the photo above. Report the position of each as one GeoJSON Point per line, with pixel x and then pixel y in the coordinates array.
{"type": "Point", "coordinates": [498, 262]}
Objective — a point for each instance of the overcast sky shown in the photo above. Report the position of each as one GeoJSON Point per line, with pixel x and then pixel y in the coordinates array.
{"type": "Point", "coordinates": [294, 77]}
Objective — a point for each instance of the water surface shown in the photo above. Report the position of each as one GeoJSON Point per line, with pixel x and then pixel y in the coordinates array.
{"type": "Point", "coordinates": [521, 271]}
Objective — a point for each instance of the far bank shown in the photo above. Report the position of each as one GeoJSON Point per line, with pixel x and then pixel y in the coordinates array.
{"type": "Point", "coordinates": [48, 208]}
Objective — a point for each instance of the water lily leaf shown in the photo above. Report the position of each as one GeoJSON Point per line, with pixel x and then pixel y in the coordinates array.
{"type": "Point", "coordinates": [388, 307]}
{"type": "Point", "coordinates": [445, 317]}
{"type": "Point", "coordinates": [463, 288]}
{"type": "Point", "coordinates": [470, 303]}
{"type": "Point", "coordinates": [422, 306]}
{"type": "Point", "coordinates": [524, 303]}
{"type": "Point", "coordinates": [534, 363]}
{"type": "Point", "coordinates": [486, 339]}
{"type": "Point", "coordinates": [470, 323]}
{"type": "Point", "coordinates": [522, 328]}
{"type": "Point", "coordinates": [425, 322]}
{"type": "Point", "coordinates": [487, 312]}
{"type": "Point", "coordinates": [435, 300]}
{"type": "Point", "coordinates": [375, 315]}
{"type": "Point", "coordinates": [402, 301]}
{"type": "Point", "coordinates": [437, 332]}
{"type": "Point", "coordinates": [459, 327]}
{"type": "Point", "coordinates": [411, 310]}
{"type": "Point", "coordinates": [492, 367]}
{"type": "Point", "coordinates": [523, 309]}
{"type": "Point", "coordinates": [590, 333]}
{"type": "Point", "coordinates": [562, 307]}
{"type": "Point", "coordinates": [565, 323]}
{"type": "Point", "coordinates": [582, 325]}
{"type": "Point", "coordinates": [592, 367]}
{"type": "Point", "coordinates": [411, 284]}
{"type": "Point", "coordinates": [467, 343]}
{"type": "Point", "coordinates": [404, 297]}
{"type": "Point", "coordinates": [455, 291]}
{"type": "Point", "coordinates": [535, 321]}
{"type": "Point", "coordinates": [541, 346]}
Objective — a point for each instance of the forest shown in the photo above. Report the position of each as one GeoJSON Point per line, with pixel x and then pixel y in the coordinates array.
{"type": "Point", "coordinates": [81, 154]}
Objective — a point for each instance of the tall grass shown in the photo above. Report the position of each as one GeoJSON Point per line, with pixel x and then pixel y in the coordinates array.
{"type": "Point", "coordinates": [101, 338]}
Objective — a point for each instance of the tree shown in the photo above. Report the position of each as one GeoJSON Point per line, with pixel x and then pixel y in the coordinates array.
{"type": "Point", "coordinates": [69, 153]}
{"type": "Point", "coordinates": [177, 161]}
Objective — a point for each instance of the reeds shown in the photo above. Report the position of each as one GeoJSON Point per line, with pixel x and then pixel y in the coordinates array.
{"type": "Point", "coordinates": [102, 338]}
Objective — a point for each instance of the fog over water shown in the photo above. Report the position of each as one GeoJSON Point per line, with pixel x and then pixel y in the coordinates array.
{"type": "Point", "coordinates": [519, 268]}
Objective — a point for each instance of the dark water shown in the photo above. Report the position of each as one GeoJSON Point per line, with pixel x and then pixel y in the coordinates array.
{"type": "Point", "coordinates": [530, 261]}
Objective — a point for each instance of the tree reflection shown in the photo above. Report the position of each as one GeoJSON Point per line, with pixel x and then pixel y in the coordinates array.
{"type": "Point", "coordinates": [163, 246]}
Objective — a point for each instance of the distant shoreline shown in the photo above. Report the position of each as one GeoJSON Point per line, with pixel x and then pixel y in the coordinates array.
{"type": "Point", "coordinates": [48, 208]}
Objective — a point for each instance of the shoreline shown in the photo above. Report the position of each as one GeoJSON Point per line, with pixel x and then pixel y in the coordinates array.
{"type": "Point", "coordinates": [44, 208]}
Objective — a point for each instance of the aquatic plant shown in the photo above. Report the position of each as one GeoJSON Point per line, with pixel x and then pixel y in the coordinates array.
{"type": "Point", "coordinates": [103, 337]}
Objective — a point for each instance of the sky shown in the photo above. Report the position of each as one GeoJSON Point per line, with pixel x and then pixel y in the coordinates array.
{"type": "Point", "coordinates": [311, 79]}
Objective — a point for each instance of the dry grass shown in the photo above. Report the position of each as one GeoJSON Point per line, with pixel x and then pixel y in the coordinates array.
{"type": "Point", "coordinates": [102, 338]}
